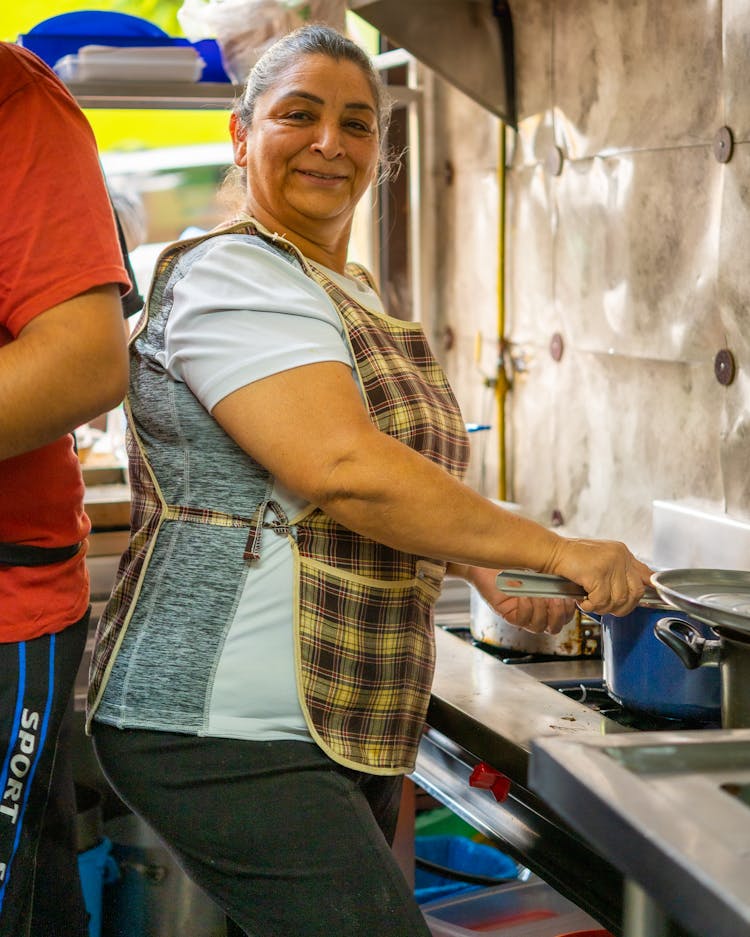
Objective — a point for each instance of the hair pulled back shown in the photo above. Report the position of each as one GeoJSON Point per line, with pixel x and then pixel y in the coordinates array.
{"type": "Point", "coordinates": [312, 40]}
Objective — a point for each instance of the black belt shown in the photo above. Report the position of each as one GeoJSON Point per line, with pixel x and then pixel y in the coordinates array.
{"type": "Point", "coordinates": [19, 554]}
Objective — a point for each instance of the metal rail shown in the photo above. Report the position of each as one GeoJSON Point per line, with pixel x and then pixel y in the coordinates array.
{"type": "Point", "coordinates": [523, 827]}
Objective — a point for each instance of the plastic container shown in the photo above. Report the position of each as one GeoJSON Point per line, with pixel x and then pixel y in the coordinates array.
{"type": "Point", "coordinates": [442, 821]}
{"type": "Point", "coordinates": [529, 909]}
{"type": "Point", "coordinates": [98, 22]}
{"type": "Point", "coordinates": [110, 63]}
{"type": "Point", "coordinates": [461, 855]}
{"type": "Point", "coordinates": [96, 868]}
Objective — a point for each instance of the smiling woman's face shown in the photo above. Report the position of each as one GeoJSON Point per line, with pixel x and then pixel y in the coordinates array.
{"type": "Point", "coordinates": [312, 149]}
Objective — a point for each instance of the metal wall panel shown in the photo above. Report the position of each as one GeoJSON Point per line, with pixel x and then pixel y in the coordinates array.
{"type": "Point", "coordinates": [636, 252]}
{"type": "Point", "coordinates": [736, 44]}
{"type": "Point", "coordinates": [462, 224]}
{"type": "Point", "coordinates": [634, 74]}
{"type": "Point", "coordinates": [629, 242]}
{"type": "Point", "coordinates": [625, 244]}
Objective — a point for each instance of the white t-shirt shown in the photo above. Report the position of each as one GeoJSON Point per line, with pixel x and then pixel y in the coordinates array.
{"type": "Point", "coordinates": [242, 313]}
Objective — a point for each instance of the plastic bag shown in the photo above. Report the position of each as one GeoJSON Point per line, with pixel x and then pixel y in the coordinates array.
{"type": "Point", "coordinates": [243, 28]}
{"type": "Point", "coordinates": [331, 12]}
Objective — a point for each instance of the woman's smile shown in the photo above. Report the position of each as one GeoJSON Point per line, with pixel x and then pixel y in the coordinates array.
{"type": "Point", "coordinates": [326, 178]}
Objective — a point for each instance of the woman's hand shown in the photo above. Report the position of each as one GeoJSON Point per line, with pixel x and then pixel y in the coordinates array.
{"type": "Point", "coordinates": [536, 615]}
{"type": "Point", "coordinates": [614, 580]}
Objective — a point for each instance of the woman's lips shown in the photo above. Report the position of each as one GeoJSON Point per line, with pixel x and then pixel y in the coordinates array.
{"type": "Point", "coordinates": [322, 177]}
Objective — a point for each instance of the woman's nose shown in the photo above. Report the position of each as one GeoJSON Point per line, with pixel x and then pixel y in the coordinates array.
{"type": "Point", "coordinates": [328, 141]}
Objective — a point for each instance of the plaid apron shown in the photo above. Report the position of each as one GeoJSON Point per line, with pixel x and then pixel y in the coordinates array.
{"type": "Point", "coordinates": [363, 626]}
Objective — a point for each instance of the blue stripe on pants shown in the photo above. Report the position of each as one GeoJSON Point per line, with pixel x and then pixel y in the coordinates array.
{"type": "Point", "coordinates": [28, 775]}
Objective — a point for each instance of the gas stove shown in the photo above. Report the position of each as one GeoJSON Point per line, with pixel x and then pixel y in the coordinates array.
{"type": "Point", "coordinates": [507, 713]}
{"type": "Point", "coordinates": [487, 710]}
{"type": "Point", "coordinates": [580, 680]}
{"type": "Point", "coordinates": [594, 695]}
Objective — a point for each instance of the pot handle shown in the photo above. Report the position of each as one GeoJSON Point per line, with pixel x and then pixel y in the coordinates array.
{"type": "Point", "coordinates": [687, 642]}
{"type": "Point", "coordinates": [547, 586]}
{"type": "Point", "coordinates": [540, 585]}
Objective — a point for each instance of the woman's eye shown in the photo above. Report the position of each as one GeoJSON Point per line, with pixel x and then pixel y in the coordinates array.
{"type": "Point", "coordinates": [298, 115]}
{"type": "Point", "coordinates": [358, 126]}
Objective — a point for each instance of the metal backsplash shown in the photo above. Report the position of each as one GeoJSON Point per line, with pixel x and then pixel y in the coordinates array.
{"type": "Point", "coordinates": [628, 284]}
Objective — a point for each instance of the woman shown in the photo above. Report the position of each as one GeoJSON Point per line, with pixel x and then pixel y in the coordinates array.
{"type": "Point", "coordinates": [262, 670]}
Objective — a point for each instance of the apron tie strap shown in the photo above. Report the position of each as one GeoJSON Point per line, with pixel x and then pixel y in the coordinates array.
{"type": "Point", "coordinates": [280, 525]}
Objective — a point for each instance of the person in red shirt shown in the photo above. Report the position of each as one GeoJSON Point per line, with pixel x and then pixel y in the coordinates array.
{"type": "Point", "coordinates": [62, 362]}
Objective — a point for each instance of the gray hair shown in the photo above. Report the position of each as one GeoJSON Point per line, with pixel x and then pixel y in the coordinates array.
{"type": "Point", "coordinates": [315, 39]}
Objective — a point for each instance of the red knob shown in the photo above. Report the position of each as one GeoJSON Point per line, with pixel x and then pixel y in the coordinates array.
{"type": "Point", "coordinates": [483, 776]}
{"type": "Point", "coordinates": [490, 779]}
{"type": "Point", "coordinates": [501, 788]}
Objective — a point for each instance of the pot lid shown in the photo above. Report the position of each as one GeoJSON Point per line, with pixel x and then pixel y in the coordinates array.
{"type": "Point", "coordinates": [714, 596]}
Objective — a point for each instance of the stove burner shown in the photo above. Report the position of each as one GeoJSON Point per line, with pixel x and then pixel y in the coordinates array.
{"type": "Point", "coordinates": [509, 655]}
{"type": "Point", "coordinates": [592, 693]}
{"type": "Point", "coordinates": [596, 697]}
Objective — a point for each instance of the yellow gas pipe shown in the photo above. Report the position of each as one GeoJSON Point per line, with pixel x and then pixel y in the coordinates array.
{"type": "Point", "coordinates": [501, 383]}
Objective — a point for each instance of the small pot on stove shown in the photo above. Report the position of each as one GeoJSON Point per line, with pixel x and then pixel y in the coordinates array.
{"type": "Point", "coordinates": [729, 652]}
{"type": "Point", "coordinates": [643, 675]}
{"type": "Point", "coordinates": [580, 637]}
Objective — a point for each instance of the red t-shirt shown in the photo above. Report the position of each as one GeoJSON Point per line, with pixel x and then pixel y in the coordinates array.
{"type": "Point", "coordinates": [57, 239]}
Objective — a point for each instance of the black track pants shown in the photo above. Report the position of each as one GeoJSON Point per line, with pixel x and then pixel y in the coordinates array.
{"type": "Point", "coordinates": [288, 843]}
{"type": "Point", "coordinates": [40, 890]}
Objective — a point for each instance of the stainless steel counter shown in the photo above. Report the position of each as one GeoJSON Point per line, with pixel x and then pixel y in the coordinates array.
{"type": "Point", "coordinates": [498, 709]}
{"type": "Point", "coordinates": [672, 811]}
{"type": "Point", "coordinates": [483, 710]}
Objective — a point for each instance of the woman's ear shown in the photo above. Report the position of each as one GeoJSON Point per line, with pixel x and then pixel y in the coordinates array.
{"type": "Point", "coordinates": [239, 140]}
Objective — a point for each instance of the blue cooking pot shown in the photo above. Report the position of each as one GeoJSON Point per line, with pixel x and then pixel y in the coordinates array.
{"type": "Point", "coordinates": [643, 674]}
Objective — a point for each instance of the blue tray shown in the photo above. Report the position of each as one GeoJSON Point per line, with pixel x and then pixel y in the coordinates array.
{"type": "Point", "coordinates": [97, 23]}
{"type": "Point", "coordinates": [65, 34]}
{"type": "Point", "coordinates": [463, 855]}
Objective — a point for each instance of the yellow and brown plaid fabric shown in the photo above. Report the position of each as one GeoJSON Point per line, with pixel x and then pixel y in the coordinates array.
{"type": "Point", "coordinates": [366, 647]}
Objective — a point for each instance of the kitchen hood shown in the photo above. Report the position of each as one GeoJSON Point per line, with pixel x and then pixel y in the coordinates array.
{"type": "Point", "coordinates": [467, 42]}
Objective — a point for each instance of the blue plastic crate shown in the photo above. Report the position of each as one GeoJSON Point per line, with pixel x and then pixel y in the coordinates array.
{"type": "Point", "coordinates": [96, 868]}
{"type": "Point", "coordinates": [462, 855]}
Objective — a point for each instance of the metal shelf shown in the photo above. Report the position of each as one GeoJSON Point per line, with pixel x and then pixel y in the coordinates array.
{"type": "Point", "coordinates": [155, 95]}
{"type": "Point", "coordinates": [141, 95]}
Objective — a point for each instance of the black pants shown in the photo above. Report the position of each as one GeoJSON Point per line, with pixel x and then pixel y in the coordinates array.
{"type": "Point", "coordinates": [288, 843]}
{"type": "Point", "coordinates": [40, 889]}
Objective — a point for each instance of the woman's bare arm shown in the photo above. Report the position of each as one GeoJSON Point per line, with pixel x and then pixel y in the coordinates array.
{"type": "Point", "coordinates": [308, 426]}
